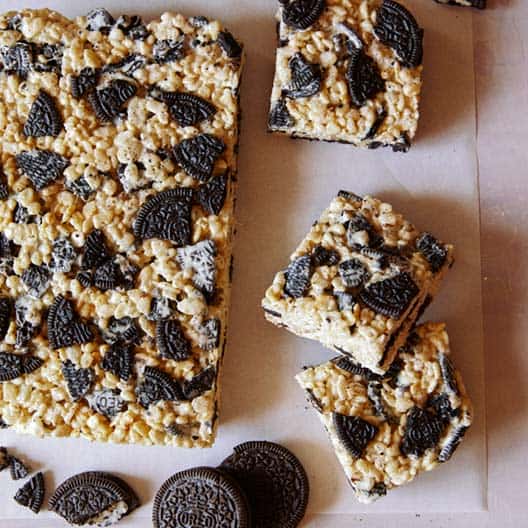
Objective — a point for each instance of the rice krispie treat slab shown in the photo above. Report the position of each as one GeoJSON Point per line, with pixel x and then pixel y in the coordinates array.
{"type": "Point", "coordinates": [358, 281]}
{"type": "Point", "coordinates": [118, 170]}
{"type": "Point", "coordinates": [347, 71]}
{"type": "Point", "coordinates": [387, 429]}
{"type": "Point", "coordinates": [479, 4]}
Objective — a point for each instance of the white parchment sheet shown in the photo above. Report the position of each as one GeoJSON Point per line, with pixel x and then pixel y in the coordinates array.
{"type": "Point", "coordinates": [284, 185]}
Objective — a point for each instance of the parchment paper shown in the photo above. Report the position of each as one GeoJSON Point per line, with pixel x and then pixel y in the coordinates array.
{"type": "Point", "coordinates": [284, 185]}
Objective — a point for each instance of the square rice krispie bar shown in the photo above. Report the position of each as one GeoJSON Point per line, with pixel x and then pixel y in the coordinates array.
{"type": "Point", "coordinates": [387, 429]}
{"type": "Point", "coordinates": [347, 71]}
{"type": "Point", "coordinates": [358, 281]}
{"type": "Point", "coordinates": [118, 171]}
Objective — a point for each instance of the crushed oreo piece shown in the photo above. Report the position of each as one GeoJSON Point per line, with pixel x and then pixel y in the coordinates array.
{"type": "Point", "coordinates": [133, 27]}
{"type": "Point", "coordinates": [107, 402]}
{"type": "Point", "coordinates": [17, 59]}
{"type": "Point", "coordinates": [168, 50]}
{"type": "Point", "coordinates": [432, 250]}
{"type": "Point", "coordinates": [44, 118]}
{"type": "Point", "coordinates": [124, 331]}
{"type": "Point", "coordinates": [373, 130]}
{"type": "Point", "coordinates": [166, 215]}
{"type": "Point", "coordinates": [201, 383]}
{"type": "Point", "coordinates": [402, 144]}
{"type": "Point", "coordinates": [85, 278]}
{"type": "Point", "coordinates": [209, 334]}
{"type": "Point", "coordinates": [78, 380]}
{"type": "Point", "coordinates": [80, 187]}
{"type": "Point", "coordinates": [301, 14]}
{"type": "Point", "coordinates": [15, 22]}
{"type": "Point", "coordinates": [345, 300]}
{"type": "Point", "coordinates": [322, 256]}
{"type": "Point", "coordinates": [375, 396]}
{"type": "Point", "coordinates": [21, 215]}
{"type": "Point", "coordinates": [452, 443]}
{"type": "Point", "coordinates": [298, 275]}
{"type": "Point", "coordinates": [7, 252]}
{"type": "Point", "coordinates": [306, 78]}
{"type": "Point", "coordinates": [279, 116]}
{"type": "Point", "coordinates": [17, 468]}
{"type": "Point", "coordinates": [107, 103]}
{"type": "Point", "coordinates": [441, 405]}
{"type": "Point", "coordinates": [95, 251]}
{"type": "Point", "coordinates": [172, 342]}
{"type": "Point", "coordinates": [211, 195]}
{"type": "Point", "coordinates": [157, 386]}
{"type": "Point", "coordinates": [93, 498]}
{"type": "Point", "coordinates": [63, 255]}
{"type": "Point", "coordinates": [197, 155]}
{"type": "Point", "coordinates": [64, 326]}
{"type": "Point", "coordinates": [354, 432]}
{"type": "Point", "coordinates": [25, 329]}
{"type": "Point", "coordinates": [422, 432]}
{"type": "Point", "coordinates": [48, 58]}
{"type": "Point", "coordinates": [363, 77]}
{"type": "Point", "coordinates": [229, 45]}
{"type": "Point", "coordinates": [185, 108]}
{"type": "Point", "coordinates": [83, 83]}
{"type": "Point", "coordinates": [160, 309]}
{"type": "Point", "coordinates": [36, 279]}
{"type": "Point", "coordinates": [13, 366]}
{"type": "Point", "coordinates": [119, 360]}
{"type": "Point", "coordinates": [128, 65]}
{"type": "Point", "coordinates": [390, 297]}
{"type": "Point", "coordinates": [200, 258]}
{"type": "Point", "coordinates": [6, 310]}
{"type": "Point", "coordinates": [31, 494]}
{"type": "Point", "coordinates": [448, 374]}
{"type": "Point", "coordinates": [354, 368]}
{"type": "Point", "coordinates": [42, 167]}
{"type": "Point", "coordinates": [396, 27]}
{"type": "Point", "coordinates": [99, 20]}
{"type": "Point", "coordinates": [128, 272]}
{"type": "Point", "coordinates": [4, 189]}
{"type": "Point", "coordinates": [107, 276]}
{"type": "Point", "coordinates": [360, 232]}
{"type": "Point", "coordinates": [353, 273]}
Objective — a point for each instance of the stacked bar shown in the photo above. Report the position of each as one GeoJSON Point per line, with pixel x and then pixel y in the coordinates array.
{"type": "Point", "coordinates": [387, 429]}
{"type": "Point", "coordinates": [347, 71]}
{"type": "Point", "coordinates": [359, 280]}
{"type": "Point", "coordinates": [118, 170]}
{"type": "Point", "coordinates": [392, 403]}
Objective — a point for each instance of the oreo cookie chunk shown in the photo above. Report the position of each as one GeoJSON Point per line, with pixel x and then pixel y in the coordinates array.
{"type": "Point", "coordinates": [93, 498]}
{"type": "Point", "coordinates": [200, 496]}
{"type": "Point", "coordinates": [274, 481]}
{"type": "Point", "coordinates": [17, 469]}
{"type": "Point", "coordinates": [115, 244]}
{"type": "Point", "coordinates": [31, 494]}
{"type": "Point", "coordinates": [360, 257]}
{"type": "Point", "coordinates": [411, 405]}
{"type": "Point", "coordinates": [361, 45]}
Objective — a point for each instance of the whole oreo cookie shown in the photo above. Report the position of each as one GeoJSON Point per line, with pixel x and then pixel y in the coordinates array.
{"type": "Point", "coordinates": [274, 481]}
{"type": "Point", "coordinates": [200, 497]}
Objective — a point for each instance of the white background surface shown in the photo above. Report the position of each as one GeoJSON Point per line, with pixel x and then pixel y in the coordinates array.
{"type": "Point", "coordinates": [283, 186]}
